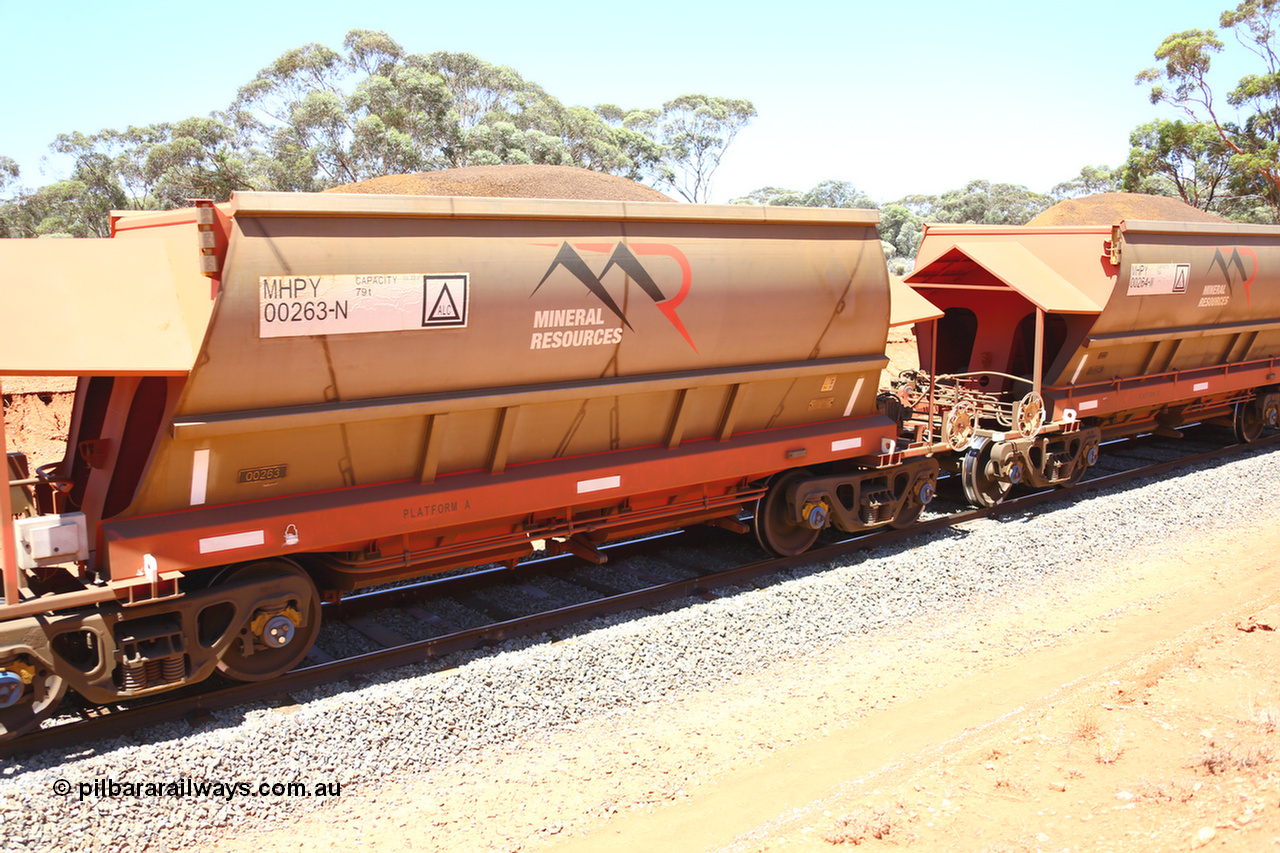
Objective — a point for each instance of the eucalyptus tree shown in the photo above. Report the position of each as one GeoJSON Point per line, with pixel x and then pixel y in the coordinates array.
{"type": "Point", "coordinates": [1090, 181]}
{"type": "Point", "coordinates": [316, 117]}
{"type": "Point", "coordinates": [828, 193]}
{"type": "Point", "coordinates": [1250, 126]}
{"type": "Point", "coordinates": [324, 118]}
{"type": "Point", "coordinates": [1188, 160]}
{"type": "Point", "coordinates": [9, 172]}
{"type": "Point", "coordinates": [980, 202]}
{"type": "Point", "coordinates": [696, 131]}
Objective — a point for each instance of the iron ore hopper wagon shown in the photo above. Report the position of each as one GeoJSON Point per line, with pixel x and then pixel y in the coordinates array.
{"type": "Point", "coordinates": [1052, 339]}
{"type": "Point", "coordinates": [290, 396]}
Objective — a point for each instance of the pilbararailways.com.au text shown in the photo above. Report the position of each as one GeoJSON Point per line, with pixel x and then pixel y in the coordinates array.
{"type": "Point", "coordinates": [190, 788]}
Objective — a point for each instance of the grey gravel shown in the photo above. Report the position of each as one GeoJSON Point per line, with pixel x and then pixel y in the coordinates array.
{"type": "Point", "coordinates": [430, 715]}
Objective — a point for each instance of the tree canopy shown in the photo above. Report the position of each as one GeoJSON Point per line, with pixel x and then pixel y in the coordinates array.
{"type": "Point", "coordinates": [902, 222]}
{"type": "Point", "coordinates": [696, 130]}
{"type": "Point", "coordinates": [982, 203]}
{"type": "Point", "coordinates": [316, 117]}
{"type": "Point", "coordinates": [829, 193]}
{"type": "Point", "coordinates": [1186, 159]}
{"type": "Point", "coordinates": [1251, 137]}
{"type": "Point", "coordinates": [8, 171]}
{"type": "Point", "coordinates": [1090, 181]}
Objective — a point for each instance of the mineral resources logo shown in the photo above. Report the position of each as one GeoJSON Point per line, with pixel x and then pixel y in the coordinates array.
{"type": "Point", "coordinates": [565, 323]}
{"type": "Point", "coordinates": [1232, 261]}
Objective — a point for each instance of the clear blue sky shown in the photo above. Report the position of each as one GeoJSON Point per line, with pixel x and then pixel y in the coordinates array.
{"type": "Point", "coordinates": [897, 98]}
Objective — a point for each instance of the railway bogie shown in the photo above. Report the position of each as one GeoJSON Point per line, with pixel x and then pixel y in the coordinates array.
{"type": "Point", "coordinates": [119, 650]}
{"type": "Point", "coordinates": [799, 504]}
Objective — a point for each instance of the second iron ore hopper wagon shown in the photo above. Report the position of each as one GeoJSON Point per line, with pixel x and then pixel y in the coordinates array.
{"type": "Point", "coordinates": [289, 396]}
{"type": "Point", "coordinates": [1053, 338]}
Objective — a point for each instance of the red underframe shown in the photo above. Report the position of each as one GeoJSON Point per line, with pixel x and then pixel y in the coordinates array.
{"type": "Point", "coordinates": [327, 521]}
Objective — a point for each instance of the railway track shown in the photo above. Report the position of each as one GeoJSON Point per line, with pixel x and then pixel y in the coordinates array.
{"type": "Point", "coordinates": [376, 641]}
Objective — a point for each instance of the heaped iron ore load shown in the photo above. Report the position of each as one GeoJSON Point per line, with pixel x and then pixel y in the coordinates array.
{"type": "Point", "coordinates": [289, 396]}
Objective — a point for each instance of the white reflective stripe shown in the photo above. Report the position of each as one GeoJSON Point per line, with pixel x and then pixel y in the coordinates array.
{"type": "Point", "coordinates": [599, 484]}
{"type": "Point", "coordinates": [1076, 375]}
{"type": "Point", "coordinates": [853, 398]}
{"type": "Point", "coordinates": [199, 476]}
{"type": "Point", "coordinates": [846, 444]}
{"type": "Point", "coordinates": [1200, 386]}
{"type": "Point", "coordinates": [248, 539]}
{"type": "Point", "coordinates": [1087, 405]}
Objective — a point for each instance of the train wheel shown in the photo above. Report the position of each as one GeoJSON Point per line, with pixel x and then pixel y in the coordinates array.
{"type": "Point", "coordinates": [1076, 476]}
{"type": "Point", "coordinates": [982, 485]}
{"type": "Point", "coordinates": [29, 704]}
{"type": "Point", "coordinates": [272, 642]}
{"type": "Point", "coordinates": [1248, 422]}
{"type": "Point", "coordinates": [1088, 458]}
{"type": "Point", "coordinates": [915, 503]}
{"type": "Point", "coordinates": [775, 531]}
